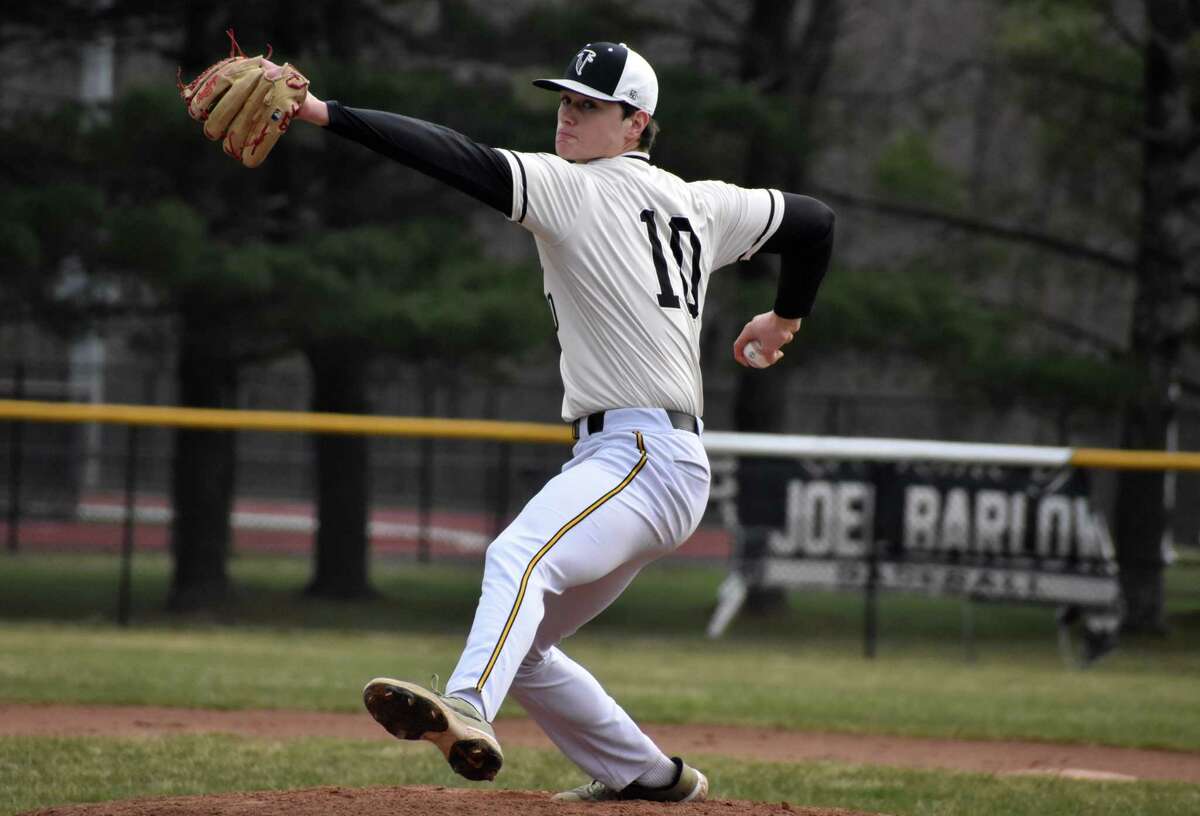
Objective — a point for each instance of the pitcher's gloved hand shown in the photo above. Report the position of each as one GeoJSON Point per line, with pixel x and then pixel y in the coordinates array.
{"type": "Point", "coordinates": [247, 102]}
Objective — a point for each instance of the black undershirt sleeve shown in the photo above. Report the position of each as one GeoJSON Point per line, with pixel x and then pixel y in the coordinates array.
{"type": "Point", "coordinates": [437, 151]}
{"type": "Point", "coordinates": [804, 243]}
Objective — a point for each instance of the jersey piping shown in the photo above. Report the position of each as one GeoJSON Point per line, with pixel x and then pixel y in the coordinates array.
{"type": "Point", "coordinates": [533, 562]}
{"type": "Point", "coordinates": [524, 191]}
{"type": "Point", "coordinates": [769, 228]}
{"type": "Point", "coordinates": [770, 218]}
{"type": "Point", "coordinates": [521, 189]}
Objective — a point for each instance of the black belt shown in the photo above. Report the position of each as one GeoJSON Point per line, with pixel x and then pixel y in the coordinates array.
{"type": "Point", "coordinates": [595, 423]}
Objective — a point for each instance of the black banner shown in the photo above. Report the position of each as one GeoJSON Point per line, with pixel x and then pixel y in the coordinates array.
{"type": "Point", "coordinates": [987, 532]}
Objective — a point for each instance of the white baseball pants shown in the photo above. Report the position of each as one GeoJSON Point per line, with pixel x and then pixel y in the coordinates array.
{"type": "Point", "coordinates": [631, 494]}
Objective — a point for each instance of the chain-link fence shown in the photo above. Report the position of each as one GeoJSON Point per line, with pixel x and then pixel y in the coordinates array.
{"type": "Point", "coordinates": [457, 493]}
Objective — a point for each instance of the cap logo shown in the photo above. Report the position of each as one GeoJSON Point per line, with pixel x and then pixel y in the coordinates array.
{"type": "Point", "coordinates": [583, 58]}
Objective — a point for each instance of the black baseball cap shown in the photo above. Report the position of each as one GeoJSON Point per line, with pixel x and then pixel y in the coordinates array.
{"type": "Point", "coordinates": [613, 72]}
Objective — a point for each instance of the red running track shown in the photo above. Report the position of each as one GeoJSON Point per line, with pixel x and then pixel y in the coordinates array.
{"type": "Point", "coordinates": [281, 526]}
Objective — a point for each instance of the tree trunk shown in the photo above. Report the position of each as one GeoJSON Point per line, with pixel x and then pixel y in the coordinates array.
{"type": "Point", "coordinates": [340, 564]}
{"type": "Point", "coordinates": [1159, 322]}
{"type": "Point", "coordinates": [771, 62]}
{"type": "Point", "coordinates": [202, 470]}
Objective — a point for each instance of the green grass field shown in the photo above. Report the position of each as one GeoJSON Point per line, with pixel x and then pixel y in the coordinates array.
{"type": "Point", "coordinates": [107, 769]}
{"type": "Point", "coordinates": [801, 668]}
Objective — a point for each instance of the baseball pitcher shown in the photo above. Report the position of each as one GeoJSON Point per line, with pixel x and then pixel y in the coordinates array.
{"type": "Point", "coordinates": [626, 249]}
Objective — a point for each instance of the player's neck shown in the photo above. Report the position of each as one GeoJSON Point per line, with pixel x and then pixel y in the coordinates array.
{"type": "Point", "coordinates": [631, 147]}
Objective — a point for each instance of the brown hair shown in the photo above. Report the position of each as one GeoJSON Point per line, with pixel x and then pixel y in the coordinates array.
{"type": "Point", "coordinates": [649, 132]}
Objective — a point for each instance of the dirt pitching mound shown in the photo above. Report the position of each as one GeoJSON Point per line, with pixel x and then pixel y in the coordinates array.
{"type": "Point", "coordinates": [753, 743]}
{"type": "Point", "coordinates": [416, 801]}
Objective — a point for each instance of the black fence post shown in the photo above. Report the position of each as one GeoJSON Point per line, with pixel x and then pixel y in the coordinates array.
{"type": "Point", "coordinates": [425, 487]}
{"type": "Point", "coordinates": [15, 464]}
{"type": "Point", "coordinates": [125, 584]}
{"type": "Point", "coordinates": [871, 601]}
{"type": "Point", "coordinates": [132, 453]}
{"type": "Point", "coordinates": [425, 501]}
{"type": "Point", "coordinates": [879, 472]}
{"type": "Point", "coordinates": [503, 480]}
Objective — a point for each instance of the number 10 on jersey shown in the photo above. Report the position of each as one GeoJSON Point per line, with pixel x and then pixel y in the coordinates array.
{"type": "Point", "coordinates": [666, 293]}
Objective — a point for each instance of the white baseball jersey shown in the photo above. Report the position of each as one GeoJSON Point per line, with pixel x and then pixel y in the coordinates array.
{"type": "Point", "coordinates": [627, 249]}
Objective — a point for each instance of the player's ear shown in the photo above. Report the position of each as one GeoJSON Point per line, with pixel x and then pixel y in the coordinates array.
{"type": "Point", "coordinates": [639, 121]}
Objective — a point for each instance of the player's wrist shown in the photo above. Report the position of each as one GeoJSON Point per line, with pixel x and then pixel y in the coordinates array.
{"type": "Point", "coordinates": [314, 110]}
{"type": "Point", "coordinates": [791, 324]}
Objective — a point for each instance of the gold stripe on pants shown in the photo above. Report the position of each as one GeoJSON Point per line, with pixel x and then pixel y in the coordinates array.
{"type": "Point", "coordinates": [512, 616]}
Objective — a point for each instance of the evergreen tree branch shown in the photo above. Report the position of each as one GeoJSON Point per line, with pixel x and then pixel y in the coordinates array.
{"type": "Point", "coordinates": [915, 88]}
{"type": "Point", "coordinates": [1037, 69]}
{"type": "Point", "coordinates": [1072, 331]}
{"type": "Point", "coordinates": [1024, 235]}
{"type": "Point", "coordinates": [1111, 349]}
{"type": "Point", "coordinates": [705, 41]}
{"type": "Point", "coordinates": [1024, 67]}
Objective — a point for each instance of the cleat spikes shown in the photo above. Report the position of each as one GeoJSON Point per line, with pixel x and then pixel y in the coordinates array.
{"type": "Point", "coordinates": [412, 712]}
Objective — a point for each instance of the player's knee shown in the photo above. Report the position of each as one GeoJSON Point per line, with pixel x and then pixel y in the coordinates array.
{"type": "Point", "coordinates": [534, 666]}
{"type": "Point", "coordinates": [504, 554]}
{"type": "Point", "coordinates": [533, 663]}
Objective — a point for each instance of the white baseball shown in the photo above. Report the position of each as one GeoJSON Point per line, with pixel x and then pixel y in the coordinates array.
{"type": "Point", "coordinates": [754, 354]}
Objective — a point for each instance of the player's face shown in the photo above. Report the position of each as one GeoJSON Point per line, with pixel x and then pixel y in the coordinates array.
{"type": "Point", "coordinates": [590, 128]}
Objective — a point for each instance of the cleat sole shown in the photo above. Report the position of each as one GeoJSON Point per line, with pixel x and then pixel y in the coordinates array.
{"type": "Point", "coordinates": [405, 715]}
{"type": "Point", "coordinates": [475, 760]}
{"type": "Point", "coordinates": [410, 715]}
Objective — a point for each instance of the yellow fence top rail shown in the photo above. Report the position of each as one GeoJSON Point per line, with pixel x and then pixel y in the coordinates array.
{"type": "Point", "coordinates": [1134, 459]}
{"type": "Point", "coordinates": [718, 442]}
{"type": "Point", "coordinates": [294, 421]}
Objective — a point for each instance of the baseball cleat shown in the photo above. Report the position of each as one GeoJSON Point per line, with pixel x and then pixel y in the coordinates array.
{"type": "Point", "coordinates": [412, 712]}
{"type": "Point", "coordinates": [690, 786]}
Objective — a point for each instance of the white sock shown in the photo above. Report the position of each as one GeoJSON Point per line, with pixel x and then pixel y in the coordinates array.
{"type": "Point", "coordinates": [471, 696]}
{"type": "Point", "coordinates": [663, 773]}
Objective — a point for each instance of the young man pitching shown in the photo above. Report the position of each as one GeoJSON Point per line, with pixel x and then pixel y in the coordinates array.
{"type": "Point", "coordinates": [627, 249]}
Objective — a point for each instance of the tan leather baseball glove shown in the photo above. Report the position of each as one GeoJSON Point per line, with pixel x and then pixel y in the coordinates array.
{"type": "Point", "coordinates": [247, 102]}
